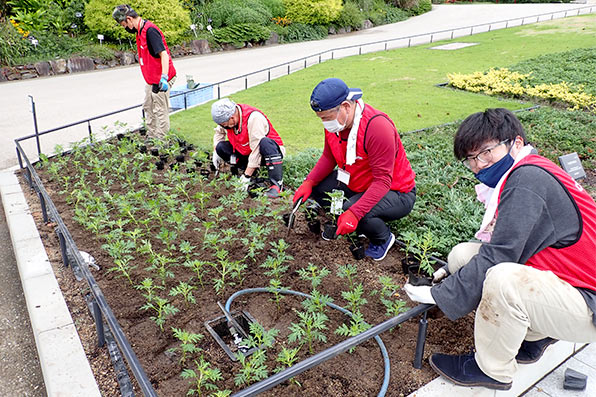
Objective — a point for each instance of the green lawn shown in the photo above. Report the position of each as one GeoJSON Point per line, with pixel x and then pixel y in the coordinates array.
{"type": "Point", "coordinates": [399, 82]}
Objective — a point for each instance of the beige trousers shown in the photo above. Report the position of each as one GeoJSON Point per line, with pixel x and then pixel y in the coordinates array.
{"type": "Point", "coordinates": [157, 111]}
{"type": "Point", "coordinates": [522, 303]}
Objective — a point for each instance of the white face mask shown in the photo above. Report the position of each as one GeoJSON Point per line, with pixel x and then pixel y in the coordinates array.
{"type": "Point", "coordinates": [334, 126]}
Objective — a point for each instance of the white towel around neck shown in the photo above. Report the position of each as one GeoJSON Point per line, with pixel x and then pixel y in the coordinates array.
{"type": "Point", "coordinates": [351, 148]}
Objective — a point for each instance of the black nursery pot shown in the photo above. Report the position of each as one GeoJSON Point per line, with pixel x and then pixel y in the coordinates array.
{"type": "Point", "coordinates": [314, 226]}
{"type": "Point", "coordinates": [190, 170]}
{"type": "Point", "coordinates": [408, 262]}
{"type": "Point", "coordinates": [159, 165]}
{"type": "Point", "coordinates": [357, 250]}
{"type": "Point", "coordinates": [163, 157]}
{"type": "Point", "coordinates": [205, 172]}
{"type": "Point", "coordinates": [142, 148]}
{"type": "Point", "coordinates": [198, 163]}
{"type": "Point", "coordinates": [180, 158]}
{"type": "Point", "coordinates": [417, 280]}
{"type": "Point", "coordinates": [155, 152]}
{"type": "Point", "coordinates": [143, 131]}
{"type": "Point", "coordinates": [329, 230]}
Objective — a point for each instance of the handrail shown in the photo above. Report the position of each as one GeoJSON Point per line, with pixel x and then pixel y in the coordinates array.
{"type": "Point", "coordinates": [118, 333]}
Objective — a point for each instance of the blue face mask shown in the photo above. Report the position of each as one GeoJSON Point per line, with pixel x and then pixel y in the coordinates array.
{"type": "Point", "coordinates": [490, 176]}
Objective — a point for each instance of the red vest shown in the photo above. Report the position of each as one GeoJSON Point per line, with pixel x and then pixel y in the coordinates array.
{"type": "Point", "coordinates": [576, 263]}
{"type": "Point", "coordinates": [360, 172]}
{"type": "Point", "coordinates": [240, 141]}
{"type": "Point", "coordinates": [150, 66]}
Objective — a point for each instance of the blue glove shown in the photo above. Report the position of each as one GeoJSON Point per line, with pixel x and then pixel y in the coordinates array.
{"type": "Point", "coordinates": [163, 83]}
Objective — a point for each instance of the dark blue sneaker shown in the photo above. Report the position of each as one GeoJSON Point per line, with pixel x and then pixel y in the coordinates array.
{"type": "Point", "coordinates": [379, 252]}
{"type": "Point", "coordinates": [464, 371]}
{"type": "Point", "coordinates": [530, 352]}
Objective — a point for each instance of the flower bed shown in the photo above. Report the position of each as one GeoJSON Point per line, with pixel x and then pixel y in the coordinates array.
{"type": "Point", "coordinates": [172, 243]}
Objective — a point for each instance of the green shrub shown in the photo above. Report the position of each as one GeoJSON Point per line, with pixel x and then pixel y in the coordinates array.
{"type": "Point", "coordinates": [395, 14]}
{"type": "Point", "coordinates": [240, 33]}
{"type": "Point", "coordinates": [298, 165]}
{"type": "Point", "coordinates": [231, 12]}
{"type": "Point", "coordinates": [350, 16]}
{"type": "Point", "coordinates": [169, 15]}
{"type": "Point", "coordinates": [421, 7]}
{"type": "Point", "coordinates": [313, 12]}
{"type": "Point", "coordinates": [276, 7]}
{"type": "Point", "coordinates": [13, 45]}
{"type": "Point", "coordinates": [302, 32]}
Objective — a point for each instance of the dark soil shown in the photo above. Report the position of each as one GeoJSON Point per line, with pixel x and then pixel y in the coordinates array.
{"type": "Point", "coordinates": [350, 374]}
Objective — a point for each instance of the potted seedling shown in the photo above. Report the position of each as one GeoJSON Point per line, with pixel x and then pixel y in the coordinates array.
{"type": "Point", "coordinates": [155, 152]}
{"type": "Point", "coordinates": [409, 260]}
{"type": "Point", "coordinates": [310, 213]}
{"type": "Point", "coordinates": [356, 246]}
{"type": "Point", "coordinates": [159, 165]}
{"type": "Point", "coordinates": [336, 199]}
{"type": "Point", "coordinates": [422, 274]}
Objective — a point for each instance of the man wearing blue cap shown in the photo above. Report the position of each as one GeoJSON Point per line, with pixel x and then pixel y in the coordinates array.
{"type": "Point", "coordinates": [363, 156]}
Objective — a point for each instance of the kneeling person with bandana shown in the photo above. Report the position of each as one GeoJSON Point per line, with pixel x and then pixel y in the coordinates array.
{"type": "Point", "coordinates": [363, 156]}
{"type": "Point", "coordinates": [251, 142]}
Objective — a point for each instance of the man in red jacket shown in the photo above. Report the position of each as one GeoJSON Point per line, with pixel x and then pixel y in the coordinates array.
{"type": "Point", "coordinates": [156, 65]}
{"type": "Point", "coordinates": [363, 156]}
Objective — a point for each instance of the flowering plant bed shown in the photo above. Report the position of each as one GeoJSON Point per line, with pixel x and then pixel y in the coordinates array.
{"type": "Point", "coordinates": [172, 242]}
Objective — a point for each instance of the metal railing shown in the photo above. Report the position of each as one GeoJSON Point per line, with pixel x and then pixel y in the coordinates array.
{"type": "Point", "coordinates": [285, 68]}
{"type": "Point", "coordinates": [68, 250]}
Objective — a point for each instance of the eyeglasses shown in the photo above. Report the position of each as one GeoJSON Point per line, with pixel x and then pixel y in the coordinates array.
{"type": "Point", "coordinates": [484, 156]}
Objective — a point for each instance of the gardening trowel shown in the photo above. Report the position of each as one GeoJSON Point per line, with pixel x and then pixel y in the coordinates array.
{"type": "Point", "coordinates": [234, 328]}
{"type": "Point", "coordinates": [293, 215]}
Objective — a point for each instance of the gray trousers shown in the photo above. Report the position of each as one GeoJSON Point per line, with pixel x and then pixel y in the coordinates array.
{"type": "Point", "coordinates": [521, 303]}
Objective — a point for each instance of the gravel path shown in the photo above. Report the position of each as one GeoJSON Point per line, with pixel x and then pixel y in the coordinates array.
{"type": "Point", "coordinates": [20, 374]}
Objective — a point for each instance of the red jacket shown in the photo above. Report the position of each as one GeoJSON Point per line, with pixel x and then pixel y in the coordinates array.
{"type": "Point", "coordinates": [151, 66]}
{"type": "Point", "coordinates": [576, 263]}
{"type": "Point", "coordinates": [360, 171]}
{"type": "Point", "coordinates": [240, 141]}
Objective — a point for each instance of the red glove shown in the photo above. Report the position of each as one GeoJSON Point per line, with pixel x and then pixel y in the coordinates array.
{"type": "Point", "coordinates": [346, 223]}
{"type": "Point", "coordinates": [303, 190]}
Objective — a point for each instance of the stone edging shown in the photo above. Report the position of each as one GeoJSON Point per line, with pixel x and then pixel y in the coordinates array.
{"type": "Point", "coordinates": [66, 370]}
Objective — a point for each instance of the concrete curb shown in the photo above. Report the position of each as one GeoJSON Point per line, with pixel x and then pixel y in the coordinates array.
{"type": "Point", "coordinates": [66, 370]}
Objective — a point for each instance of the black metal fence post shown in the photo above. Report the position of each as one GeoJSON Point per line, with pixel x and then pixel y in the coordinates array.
{"type": "Point", "coordinates": [35, 124]}
{"type": "Point", "coordinates": [44, 210]}
{"type": "Point", "coordinates": [63, 247]}
{"type": "Point", "coordinates": [422, 325]}
{"type": "Point", "coordinates": [98, 324]}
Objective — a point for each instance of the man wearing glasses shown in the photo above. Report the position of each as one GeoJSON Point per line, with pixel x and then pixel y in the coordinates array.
{"type": "Point", "coordinates": [532, 276]}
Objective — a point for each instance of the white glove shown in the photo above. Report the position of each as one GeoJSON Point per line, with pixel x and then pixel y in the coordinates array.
{"type": "Point", "coordinates": [243, 183]}
{"type": "Point", "coordinates": [217, 161]}
{"type": "Point", "coordinates": [439, 275]}
{"type": "Point", "coordinates": [420, 293]}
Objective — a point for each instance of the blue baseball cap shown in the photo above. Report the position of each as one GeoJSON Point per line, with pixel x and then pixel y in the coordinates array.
{"type": "Point", "coordinates": [329, 93]}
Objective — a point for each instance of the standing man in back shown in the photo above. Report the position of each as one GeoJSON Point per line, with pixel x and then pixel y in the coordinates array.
{"type": "Point", "coordinates": [156, 65]}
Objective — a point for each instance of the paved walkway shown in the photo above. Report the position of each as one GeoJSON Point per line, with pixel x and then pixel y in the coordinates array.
{"type": "Point", "coordinates": [20, 374]}
{"type": "Point", "coordinates": [68, 98]}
